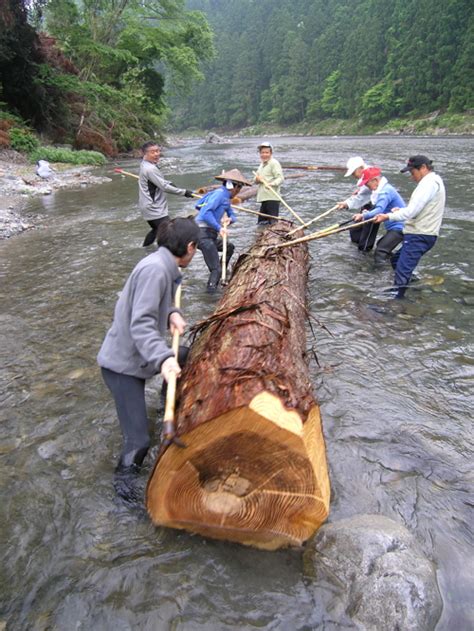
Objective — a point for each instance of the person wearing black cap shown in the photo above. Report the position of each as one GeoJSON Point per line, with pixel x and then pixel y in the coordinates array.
{"type": "Point", "coordinates": [269, 170]}
{"type": "Point", "coordinates": [422, 217]}
{"type": "Point", "coordinates": [213, 225]}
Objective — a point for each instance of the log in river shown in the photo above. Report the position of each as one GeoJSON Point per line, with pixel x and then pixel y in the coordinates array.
{"type": "Point", "coordinates": [254, 467]}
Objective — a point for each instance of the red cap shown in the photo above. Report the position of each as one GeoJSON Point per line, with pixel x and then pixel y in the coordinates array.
{"type": "Point", "coordinates": [368, 174]}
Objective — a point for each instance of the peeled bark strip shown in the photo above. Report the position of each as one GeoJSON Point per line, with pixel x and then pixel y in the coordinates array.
{"type": "Point", "coordinates": [254, 469]}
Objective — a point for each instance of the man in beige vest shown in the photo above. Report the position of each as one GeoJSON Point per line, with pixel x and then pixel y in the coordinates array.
{"type": "Point", "coordinates": [422, 217]}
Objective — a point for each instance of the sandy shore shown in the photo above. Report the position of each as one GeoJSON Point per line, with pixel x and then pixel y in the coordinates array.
{"type": "Point", "coordinates": [19, 183]}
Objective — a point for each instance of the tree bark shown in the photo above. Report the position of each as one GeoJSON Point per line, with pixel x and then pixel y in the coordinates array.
{"type": "Point", "coordinates": [254, 469]}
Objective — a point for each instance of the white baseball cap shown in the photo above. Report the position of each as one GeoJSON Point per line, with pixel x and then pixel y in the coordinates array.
{"type": "Point", "coordinates": [353, 164]}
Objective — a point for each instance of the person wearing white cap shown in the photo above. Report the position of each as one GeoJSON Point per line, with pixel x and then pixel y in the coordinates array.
{"type": "Point", "coordinates": [269, 170]}
{"type": "Point", "coordinates": [364, 237]}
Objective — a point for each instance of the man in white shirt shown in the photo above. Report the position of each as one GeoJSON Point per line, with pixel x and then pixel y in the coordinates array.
{"type": "Point", "coordinates": [422, 216]}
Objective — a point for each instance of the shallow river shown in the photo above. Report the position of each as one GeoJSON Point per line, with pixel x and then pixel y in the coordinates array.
{"type": "Point", "coordinates": [394, 382]}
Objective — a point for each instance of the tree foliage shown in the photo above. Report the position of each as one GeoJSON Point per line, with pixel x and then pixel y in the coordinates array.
{"type": "Point", "coordinates": [287, 61]}
{"type": "Point", "coordinates": [109, 64]}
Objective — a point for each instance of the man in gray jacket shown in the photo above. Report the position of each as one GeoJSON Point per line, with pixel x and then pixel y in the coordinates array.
{"type": "Point", "coordinates": [152, 189]}
{"type": "Point", "coordinates": [135, 348]}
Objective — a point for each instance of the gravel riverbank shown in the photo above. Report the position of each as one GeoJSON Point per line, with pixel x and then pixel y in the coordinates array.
{"type": "Point", "coordinates": [19, 182]}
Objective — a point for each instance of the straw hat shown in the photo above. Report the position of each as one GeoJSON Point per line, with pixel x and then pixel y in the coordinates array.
{"type": "Point", "coordinates": [234, 175]}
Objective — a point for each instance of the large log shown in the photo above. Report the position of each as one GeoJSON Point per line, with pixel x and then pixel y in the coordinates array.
{"type": "Point", "coordinates": [254, 468]}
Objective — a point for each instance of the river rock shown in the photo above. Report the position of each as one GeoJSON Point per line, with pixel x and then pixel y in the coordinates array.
{"type": "Point", "coordinates": [213, 138]}
{"type": "Point", "coordinates": [381, 576]}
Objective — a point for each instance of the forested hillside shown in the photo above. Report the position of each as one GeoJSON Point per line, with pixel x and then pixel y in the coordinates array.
{"type": "Point", "coordinates": [95, 73]}
{"type": "Point", "coordinates": [106, 74]}
{"type": "Point", "coordinates": [285, 61]}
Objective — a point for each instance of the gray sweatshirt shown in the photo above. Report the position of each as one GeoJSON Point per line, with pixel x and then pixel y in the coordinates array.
{"type": "Point", "coordinates": [152, 189]}
{"type": "Point", "coordinates": [135, 343]}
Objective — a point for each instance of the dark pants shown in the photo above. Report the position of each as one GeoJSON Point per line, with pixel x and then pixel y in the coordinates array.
{"type": "Point", "coordinates": [129, 396]}
{"type": "Point", "coordinates": [269, 207]}
{"type": "Point", "coordinates": [405, 261]}
{"type": "Point", "coordinates": [210, 245]}
{"type": "Point", "coordinates": [151, 236]}
{"type": "Point", "coordinates": [365, 236]}
{"type": "Point", "coordinates": [386, 245]}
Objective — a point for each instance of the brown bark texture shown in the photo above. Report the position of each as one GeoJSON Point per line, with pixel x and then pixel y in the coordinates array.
{"type": "Point", "coordinates": [254, 467]}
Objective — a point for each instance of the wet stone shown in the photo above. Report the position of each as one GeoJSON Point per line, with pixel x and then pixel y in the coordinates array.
{"type": "Point", "coordinates": [381, 576]}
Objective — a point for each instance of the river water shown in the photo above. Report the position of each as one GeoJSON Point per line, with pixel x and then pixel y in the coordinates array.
{"type": "Point", "coordinates": [394, 381]}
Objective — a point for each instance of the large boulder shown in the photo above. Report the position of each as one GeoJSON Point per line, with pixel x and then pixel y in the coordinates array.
{"type": "Point", "coordinates": [213, 138]}
{"type": "Point", "coordinates": [379, 577]}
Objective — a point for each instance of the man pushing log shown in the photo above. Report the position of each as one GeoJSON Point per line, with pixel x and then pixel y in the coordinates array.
{"type": "Point", "coordinates": [135, 347]}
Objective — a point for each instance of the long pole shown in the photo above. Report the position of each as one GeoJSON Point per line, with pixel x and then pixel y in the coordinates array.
{"type": "Point", "coordinates": [224, 257]}
{"type": "Point", "coordinates": [245, 210]}
{"type": "Point", "coordinates": [305, 167]}
{"type": "Point", "coordinates": [269, 187]}
{"type": "Point", "coordinates": [308, 223]}
{"type": "Point", "coordinates": [318, 235]}
{"type": "Point", "coordinates": [169, 430]}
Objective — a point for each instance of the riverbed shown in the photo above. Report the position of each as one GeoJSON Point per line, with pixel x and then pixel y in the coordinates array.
{"type": "Point", "coordinates": [393, 378]}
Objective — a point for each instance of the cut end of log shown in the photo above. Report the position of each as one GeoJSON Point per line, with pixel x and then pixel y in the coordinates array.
{"type": "Point", "coordinates": [255, 475]}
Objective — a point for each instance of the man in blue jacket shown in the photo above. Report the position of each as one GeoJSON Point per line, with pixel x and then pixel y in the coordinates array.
{"type": "Point", "coordinates": [386, 198]}
{"type": "Point", "coordinates": [213, 225]}
{"type": "Point", "coordinates": [135, 347]}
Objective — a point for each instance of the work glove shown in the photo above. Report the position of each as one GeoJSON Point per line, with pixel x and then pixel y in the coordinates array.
{"type": "Point", "coordinates": [188, 193]}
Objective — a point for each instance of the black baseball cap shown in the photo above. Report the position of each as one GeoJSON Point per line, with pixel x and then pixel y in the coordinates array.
{"type": "Point", "coordinates": [415, 162]}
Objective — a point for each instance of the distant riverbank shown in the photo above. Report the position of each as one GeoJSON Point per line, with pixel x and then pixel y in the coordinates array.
{"type": "Point", "coordinates": [434, 124]}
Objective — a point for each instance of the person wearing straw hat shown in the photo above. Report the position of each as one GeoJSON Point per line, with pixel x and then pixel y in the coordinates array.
{"type": "Point", "coordinates": [271, 172]}
{"type": "Point", "coordinates": [363, 199]}
{"type": "Point", "coordinates": [152, 189]}
{"type": "Point", "coordinates": [135, 347]}
{"type": "Point", "coordinates": [423, 217]}
{"type": "Point", "coordinates": [213, 225]}
{"type": "Point", "coordinates": [387, 198]}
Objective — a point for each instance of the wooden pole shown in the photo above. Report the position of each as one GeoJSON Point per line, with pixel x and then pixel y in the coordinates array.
{"type": "Point", "coordinates": [122, 172]}
{"type": "Point", "coordinates": [313, 220]}
{"type": "Point", "coordinates": [254, 469]}
{"type": "Point", "coordinates": [224, 257]}
{"type": "Point", "coordinates": [314, 168]}
{"type": "Point", "coordinates": [267, 185]}
{"type": "Point", "coordinates": [320, 234]}
{"type": "Point", "coordinates": [169, 430]}
{"type": "Point", "coordinates": [245, 210]}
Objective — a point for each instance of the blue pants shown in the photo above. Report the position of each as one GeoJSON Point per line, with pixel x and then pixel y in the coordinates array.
{"type": "Point", "coordinates": [405, 261]}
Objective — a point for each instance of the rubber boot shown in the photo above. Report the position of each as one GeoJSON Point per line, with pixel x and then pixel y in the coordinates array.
{"type": "Point", "coordinates": [126, 478]}
{"type": "Point", "coordinates": [213, 282]}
